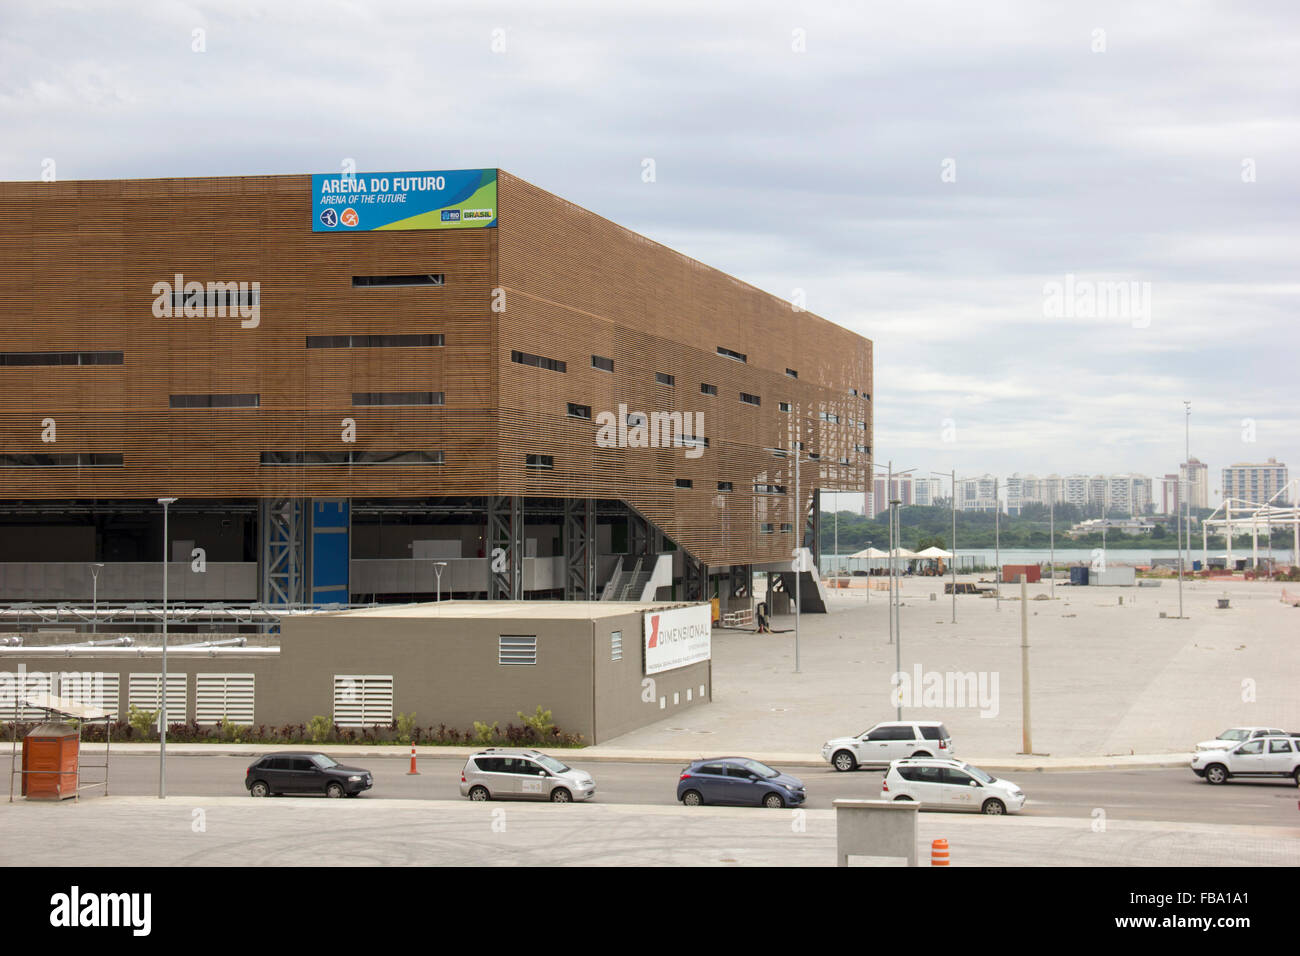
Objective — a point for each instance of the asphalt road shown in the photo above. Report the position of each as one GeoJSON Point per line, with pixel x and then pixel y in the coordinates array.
{"type": "Point", "coordinates": [1172, 795]}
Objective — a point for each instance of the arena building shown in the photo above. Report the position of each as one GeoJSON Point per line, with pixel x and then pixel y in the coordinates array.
{"type": "Point", "coordinates": [381, 387]}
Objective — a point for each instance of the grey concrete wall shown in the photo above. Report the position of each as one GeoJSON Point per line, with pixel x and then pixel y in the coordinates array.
{"type": "Point", "coordinates": [127, 581]}
{"type": "Point", "coordinates": [446, 671]}
{"type": "Point", "coordinates": [263, 664]}
{"type": "Point", "coordinates": [623, 701]}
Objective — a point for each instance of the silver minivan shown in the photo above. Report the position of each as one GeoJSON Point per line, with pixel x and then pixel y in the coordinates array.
{"type": "Point", "coordinates": [501, 774]}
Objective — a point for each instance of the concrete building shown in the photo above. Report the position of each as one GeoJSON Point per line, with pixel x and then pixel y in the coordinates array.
{"type": "Point", "coordinates": [346, 395]}
{"type": "Point", "coordinates": [1195, 476]}
{"type": "Point", "coordinates": [1256, 483]}
{"type": "Point", "coordinates": [978, 494]}
{"type": "Point", "coordinates": [450, 663]}
{"type": "Point", "coordinates": [901, 488]}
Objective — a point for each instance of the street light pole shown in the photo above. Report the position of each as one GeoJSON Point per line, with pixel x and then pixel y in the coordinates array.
{"type": "Point", "coordinates": [1187, 467]}
{"type": "Point", "coordinates": [162, 694]}
{"type": "Point", "coordinates": [997, 547]}
{"type": "Point", "coordinates": [1051, 519]}
{"type": "Point", "coordinates": [94, 598]}
{"type": "Point", "coordinates": [798, 545]}
{"type": "Point", "coordinates": [437, 570]}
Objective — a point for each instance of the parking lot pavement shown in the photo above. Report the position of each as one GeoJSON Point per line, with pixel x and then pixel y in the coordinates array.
{"type": "Point", "coordinates": [1110, 680]}
{"type": "Point", "coordinates": [233, 831]}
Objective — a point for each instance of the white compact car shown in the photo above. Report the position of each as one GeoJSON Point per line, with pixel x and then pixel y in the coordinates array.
{"type": "Point", "coordinates": [1235, 735]}
{"type": "Point", "coordinates": [1267, 756]}
{"type": "Point", "coordinates": [887, 741]}
{"type": "Point", "coordinates": [950, 785]}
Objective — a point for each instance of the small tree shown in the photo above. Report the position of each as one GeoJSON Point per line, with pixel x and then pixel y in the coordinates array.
{"type": "Point", "coordinates": [142, 721]}
{"type": "Point", "coordinates": [320, 728]}
{"type": "Point", "coordinates": [539, 722]}
{"type": "Point", "coordinates": [485, 733]}
{"type": "Point", "coordinates": [405, 727]}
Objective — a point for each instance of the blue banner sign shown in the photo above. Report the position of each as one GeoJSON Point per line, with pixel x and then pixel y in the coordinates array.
{"type": "Point", "coordinates": [441, 199]}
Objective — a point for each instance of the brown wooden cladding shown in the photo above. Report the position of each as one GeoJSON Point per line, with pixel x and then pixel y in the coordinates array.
{"type": "Point", "coordinates": [78, 262]}
{"type": "Point", "coordinates": [577, 285]}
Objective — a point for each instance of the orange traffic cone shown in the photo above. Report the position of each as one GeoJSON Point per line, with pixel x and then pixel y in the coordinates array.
{"type": "Point", "coordinates": [412, 770]}
{"type": "Point", "coordinates": [939, 853]}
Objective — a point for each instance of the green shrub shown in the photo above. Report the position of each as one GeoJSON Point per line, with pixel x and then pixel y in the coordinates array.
{"type": "Point", "coordinates": [539, 723]}
{"type": "Point", "coordinates": [143, 722]}
{"type": "Point", "coordinates": [405, 727]}
{"type": "Point", "coordinates": [320, 728]}
{"type": "Point", "coordinates": [486, 733]}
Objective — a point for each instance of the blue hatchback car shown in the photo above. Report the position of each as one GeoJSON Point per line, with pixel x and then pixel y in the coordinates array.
{"type": "Point", "coordinates": [738, 781]}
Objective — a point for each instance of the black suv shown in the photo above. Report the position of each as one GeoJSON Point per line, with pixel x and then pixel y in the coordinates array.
{"type": "Point", "coordinates": [305, 773]}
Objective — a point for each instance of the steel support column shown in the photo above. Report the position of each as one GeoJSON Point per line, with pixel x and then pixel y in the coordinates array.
{"type": "Point", "coordinates": [282, 526]}
{"type": "Point", "coordinates": [580, 545]}
{"type": "Point", "coordinates": [505, 548]}
{"type": "Point", "coordinates": [695, 578]}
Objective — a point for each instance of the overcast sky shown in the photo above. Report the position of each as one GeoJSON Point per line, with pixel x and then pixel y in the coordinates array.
{"type": "Point", "coordinates": [922, 171]}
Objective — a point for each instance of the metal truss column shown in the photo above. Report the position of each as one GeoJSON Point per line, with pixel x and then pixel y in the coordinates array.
{"type": "Point", "coordinates": [282, 526]}
{"type": "Point", "coordinates": [640, 535]}
{"type": "Point", "coordinates": [505, 548]}
{"type": "Point", "coordinates": [813, 528]}
{"type": "Point", "coordinates": [695, 578]}
{"type": "Point", "coordinates": [740, 575]}
{"type": "Point", "coordinates": [580, 544]}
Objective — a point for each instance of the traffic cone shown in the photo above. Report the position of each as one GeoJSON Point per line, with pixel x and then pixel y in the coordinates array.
{"type": "Point", "coordinates": [412, 771]}
{"type": "Point", "coordinates": [939, 853]}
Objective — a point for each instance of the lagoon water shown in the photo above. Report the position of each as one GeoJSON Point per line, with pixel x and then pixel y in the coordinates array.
{"type": "Point", "coordinates": [985, 556]}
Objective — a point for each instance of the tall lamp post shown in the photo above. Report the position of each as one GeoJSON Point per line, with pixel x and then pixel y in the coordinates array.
{"type": "Point", "coordinates": [1051, 524]}
{"type": "Point", "coordinates": [952, 545]}
{"type": "Point", "coordinates": [162, 693]}
{"type": "Point", "coordinates": [798, 528]}
{"type": "Point", "coordinates": [437, 570]}
{"type": "Point", "coordinates": [94, 598]}
{"type": "Point", "coordinates": [1187, 467]}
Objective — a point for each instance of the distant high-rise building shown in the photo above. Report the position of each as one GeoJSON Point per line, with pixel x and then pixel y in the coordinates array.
{"type": "Point", "coordinates": [977, 494]}
{"type": "Point", "coordinates": [1195, 475]}
{"type": "Point", "coordinates": [1256, 484]}
{"type": "Point", "coordinates": [926, 490]}
{"type": "Point", "coordinates": [900, 488]}
{"type": "Point", "coordinates": [1169, 497]}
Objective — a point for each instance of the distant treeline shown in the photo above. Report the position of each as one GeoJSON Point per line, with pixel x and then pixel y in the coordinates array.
{"type": "Point", "coordinates": [924, 526]}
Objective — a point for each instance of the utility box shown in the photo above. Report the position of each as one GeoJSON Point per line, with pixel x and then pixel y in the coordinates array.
{"type": "Point", "coordinates": [1079, 575]}
{"type": "Point", "coordinates": [50, 755]}
{"type": "Point", "coordinates": [1011, 573]}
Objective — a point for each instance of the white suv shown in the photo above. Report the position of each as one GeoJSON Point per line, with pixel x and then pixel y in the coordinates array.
{"type": "Point", "coordinates": [887, 741]}
{"type": "Point", "coordinates": [950, 785]}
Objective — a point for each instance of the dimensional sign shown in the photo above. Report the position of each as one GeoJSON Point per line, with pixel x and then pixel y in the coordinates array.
{"type": "Point", "coordinates": [438, 199]}
{"type": "Point", "coordinates": [678, 637]}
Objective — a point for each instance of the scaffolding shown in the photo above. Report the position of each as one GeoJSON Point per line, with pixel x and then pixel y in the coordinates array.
{"type": "Point", "coordinates": [1252, 516]}
{"type": "Point", "coordinates": [66, 709]}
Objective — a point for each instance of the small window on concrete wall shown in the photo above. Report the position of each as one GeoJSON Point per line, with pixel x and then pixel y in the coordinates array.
{"type": "Point", "coordinates": [616, 646]}
{"type": "Point", "coordinates": [517, 649]}
{"type": "Point", "coordinates": [219, 697]}
{"type": "Point", "coordinates": [363, 700]}
{"type": "Point", "coordinates": [144, 691]}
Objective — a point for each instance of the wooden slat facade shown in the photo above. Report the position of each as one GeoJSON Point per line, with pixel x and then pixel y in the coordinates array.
{"type": "Point", "coordinates": [78, 262]}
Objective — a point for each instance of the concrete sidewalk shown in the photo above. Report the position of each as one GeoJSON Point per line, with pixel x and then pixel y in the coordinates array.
{"type": "Point", "coordinates": [609, 754]}
{"type": "Point", "coordinates": [237, 832]}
